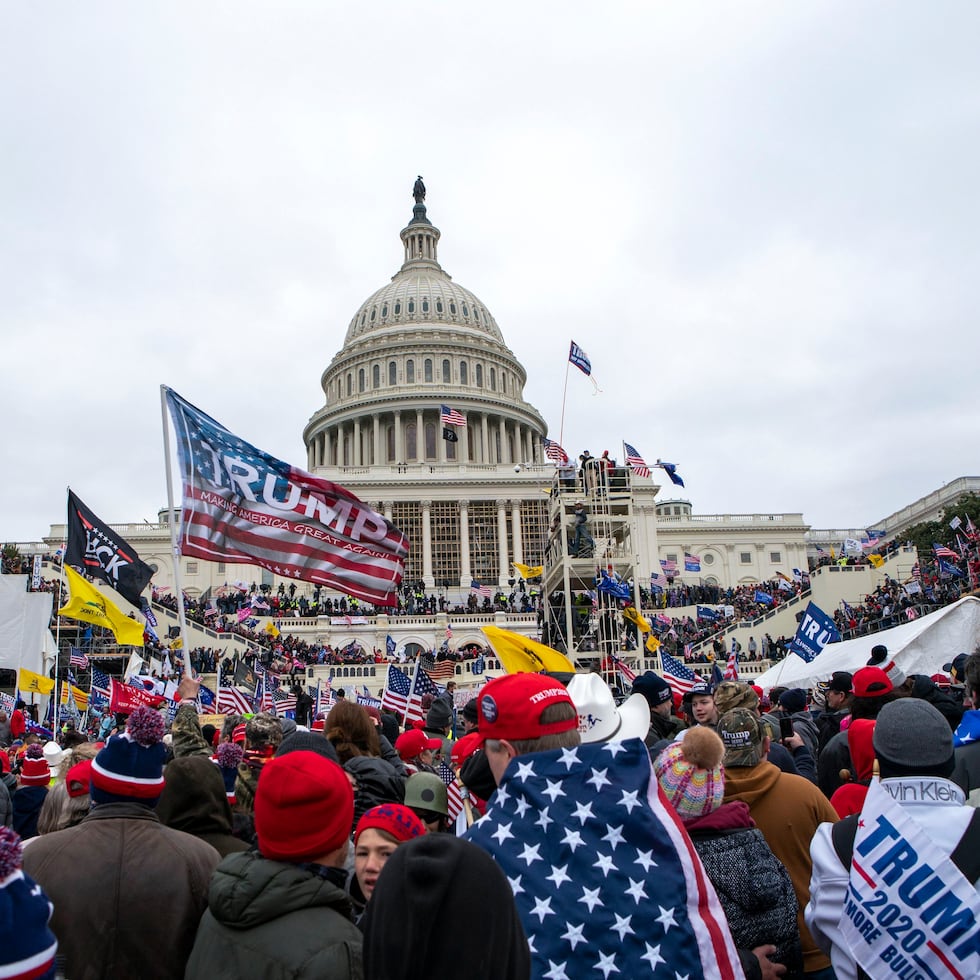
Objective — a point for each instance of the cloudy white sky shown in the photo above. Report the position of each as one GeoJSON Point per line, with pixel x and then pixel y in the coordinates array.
{"type": "Point", "coordinates": [759, 219]}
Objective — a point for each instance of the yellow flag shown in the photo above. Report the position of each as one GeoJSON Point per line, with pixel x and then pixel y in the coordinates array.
{"type": "Point", "coordinates": [27, 680]}
{"type": "Point", "coordinates": [519, 655]}
{"type": "Point", "coordinates": [89, 605]}
{"type": "Point", "coordinates": [653, 644]}
{"type": "Point", "coordinates": [529, 571]}
{"type": "Point", "coordinates": [70, 691]}
{"type": "Point", "coordinates": [876, 560]}
{"type": "Point", "coordinates": [270, 628]}
{"type": "Point", "coordinates": [176, 643]}
{"type": "Point", "coordinates": [635, 616]}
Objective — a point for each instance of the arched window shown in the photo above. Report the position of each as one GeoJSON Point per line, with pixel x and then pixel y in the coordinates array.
{"type": "Point", "coordinates": [452, 308]}
{"type": "Point", "coordinates": [503, 382]}
{"type": "Point", "coordinates": [447, 371]}
{"type": "Point", "coordinates": [410, 372]}
{"type": "Point", "coordinates": [384, 311]}
{"type": "Point", "coordinates": [428, 370]}
{"type": "Point", "coordinates": [479, 375]}
{"type": "Point", "coordinates": [390, 444]}
{"type": "Point", "coordinates": [374, 311]}
{"type": "Point", "coordinates": [430, 441]}
{"type": "Point", "coordinates": [350, 385]}
{"type": "Point", "coordinates": [438, 306]}
{"type": "Point", "coordinates": [376, 376]}
{"type": "Point", "coordinates": [425, 304]}
{"type": "Point", "coordinates": [466, 311]}
{"type": "Point", "coordinates": [464, 373]}
{"type": "Point", "coordinates": [411, 441]}
{"type": "Point", "coordinates": [398, 307]}
{"type": "Point", "coordinates": [411, 306]}
{"type": "Point", "coordinates": [392, 374]}
{"type": "Point", "coordinates": [360, 379]}
{"type": "Point", "coordinates": [493, 379]}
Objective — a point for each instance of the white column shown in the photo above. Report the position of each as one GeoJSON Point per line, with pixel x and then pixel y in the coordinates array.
{"type": "Point", "coordinates": [427, 543]}
{"type": "Point", "coordinates": [515, 521]}
{"type": "Point", "coordinates": [376, 438]}
{"type": "Point", "coordinates": [464, 544]}
{"type": "Point", "coordinates": [502, 540]}
{"type": "Point", "coordinates": [504, 452]}
{"type": "Point", "coordinates": [399, 439]}
{"type": "Point", "coordinates": [486, 442]}
{"type": "Point", "coordinates": [357, 442]}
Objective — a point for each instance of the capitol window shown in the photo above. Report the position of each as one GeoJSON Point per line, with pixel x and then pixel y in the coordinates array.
{"type": "Point", "coordinates": [479, 375]}
{"type": "Point", "coordinates": [398, 308]}
{"type": "Point", "coordinates": [745, 557]}
{"type": "Point", "coordinates": [493, 379]}
{"type": "Point", "coordinates": [452, 308]}
{"type": "Point", "coordinates": [410, 372]}
{"type": "Point", "coordinates": [447, 371]}
{"type": "Point", "coordinates": [466, 311]}
{"type": "Point", "coordinates": [374, 310]}
{"type": "Point", "coordinates": [384, 310]}
{"type": "Point", "coordinates": [428, 371]}
{"type": "Point", "coordinates": [775, 557]}
{"type": "Point", "coordinates": [438, 306]}
{"type": "Point", "coordinates": [350, 385]}
{"type": "Point", "coordinates": [464, 378]}
{"type": "Point", "coordinates": [411, 306]}
{"type": "Point", "coordinates": [376, 376]}
{"type": "Point", "coordinates": [392, 374]}
{"type": "Point", "coordinates": [708, 559]}
{"type": "Point", "coordinates": [425, 305]}
{"type": "Point", "coordinates": [360, 379]}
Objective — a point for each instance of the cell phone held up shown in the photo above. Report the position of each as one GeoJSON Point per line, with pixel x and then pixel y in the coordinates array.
{"type": "Point", "coordinates": [785, 728]}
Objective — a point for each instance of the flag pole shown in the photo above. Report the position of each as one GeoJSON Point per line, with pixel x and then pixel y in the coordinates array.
{"type": "Point", "coordinates": [57, 630]}
{"type": "Point", "coordinates": [564, 394]}
{"type": "Point", "coordinates": [181, 615]}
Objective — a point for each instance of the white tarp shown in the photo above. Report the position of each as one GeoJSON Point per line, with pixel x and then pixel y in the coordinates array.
{"type": "Point", "coordinates": [24, 621]}
{"type": "Point", "coordinates": [920, 646]}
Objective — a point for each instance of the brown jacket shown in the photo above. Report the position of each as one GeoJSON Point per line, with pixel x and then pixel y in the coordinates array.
{"type": "Point", "coordinates": [787, 809]}
{"type": "Point", "coordinates": [128, 893]}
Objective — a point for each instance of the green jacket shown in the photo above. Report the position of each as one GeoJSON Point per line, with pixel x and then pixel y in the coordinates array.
{"type": "Point", "coordinates": [271, 920]}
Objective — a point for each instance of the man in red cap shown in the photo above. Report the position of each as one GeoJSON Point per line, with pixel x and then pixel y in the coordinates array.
{"type": "Point", "coordinates": [283, 910]}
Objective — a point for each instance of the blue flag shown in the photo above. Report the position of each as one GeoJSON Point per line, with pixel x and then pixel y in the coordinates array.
{"type": "Point", "coordinates": [389, 644]}
{"type": "Point", "coordinates": [945, 568]}
{"type": "Point", "coordinates": [605, 880]}
{"type": "Point", "coordinates": [479, 665]}
{"type": "Point", "coordinates": [579, 358]}
{"type": "Point", "coordinates": [609, 585]}
{"type": "Point", "coordinates": [706, 612]}
{"type": "Point", "coordinates": [671, 470]}
{"type": "Point", "coordinates": [763, 597]}
{"type": "Point", "coordinates": [815, 631]}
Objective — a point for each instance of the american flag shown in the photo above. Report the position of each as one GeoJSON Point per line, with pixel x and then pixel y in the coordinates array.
{"type": "Point", "coordinates": [692, 563]}
{"type": "Point", "coordinates": [283, 702]}
{"type": "Point", "coordinates": [231, 701]}
{"type": "Point", "coordinates": [78, 659]}
{"type": "Point", "coordinates": [731, 668]}
{"type": "Point", "coordinates": [916, 571]}
{"type": "Point", "coordinates": [438, 670]}
{"type": "Point", "coordinates": [483, 590]}
{"type": "Point", "coordinates": [589, 847]}
{"type": "Point", "coordinates": [626, 674]}
{"type": "Point", "coordinates": [668, 565]}
{"type": "Point", "coordinates": [299, 527]}
{"type": "Point", "coordinates": [680, 678]}
{"type": "Point", "coordinates": [554, 452]}
{"type": "Point", "coordinates": [455, 796]}
{"type": "Point", "coordinates": [451, 417]}
{"type": "Point", "coordinates": [637, 463]}
{"type": "Point", "coordinates": [100, 688]}
{"type": "Point", "coordinates": [398, 685]}
{"type": "Point", "coordinates": [941, 551]}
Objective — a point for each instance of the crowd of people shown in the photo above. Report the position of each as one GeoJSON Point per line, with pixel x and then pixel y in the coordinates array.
{"type": "Point", "coordinates": [713, 832]}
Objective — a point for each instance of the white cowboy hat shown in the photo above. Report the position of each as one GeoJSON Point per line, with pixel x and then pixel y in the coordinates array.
{"type": "Point", "coordinates": [599, 720]}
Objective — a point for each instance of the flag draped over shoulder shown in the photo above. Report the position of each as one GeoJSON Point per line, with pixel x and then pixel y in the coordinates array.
{"type": "Point", "coordinates": [242, 505]}
{"type": "Point", "coordinates": [89, 605]}
{"type": "Point", "coordinates": [520, 655]}
{"type": "Point", "coordinates": [605, 879]}
{"type": "Point", "coordinates": [96, 549]}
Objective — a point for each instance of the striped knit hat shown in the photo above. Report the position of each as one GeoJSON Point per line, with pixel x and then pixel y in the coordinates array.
{"type": "Point", "coordinates": [690, 773]}
{"type": "Point", "coordinates": [34, 769]}
{"type": "Point", "coordinates": [130, 768]}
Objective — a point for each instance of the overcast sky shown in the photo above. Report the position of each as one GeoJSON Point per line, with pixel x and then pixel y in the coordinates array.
{"type": "Point", "coordinates": [760, 221]}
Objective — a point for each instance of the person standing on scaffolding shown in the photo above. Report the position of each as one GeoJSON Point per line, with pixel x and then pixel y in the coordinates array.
{"type": "Point", "coordinates": [582, 543]}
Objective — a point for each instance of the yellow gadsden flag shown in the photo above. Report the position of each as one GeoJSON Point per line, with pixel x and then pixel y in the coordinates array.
{"type": "Point", "coordinates": [529, 571]}
{"type": "Point", "coordinates": [876, 560]}
{"type": "Point", "coordinates": [27, 680]}
{"type": "Point", "coordinates": [634, 615]}
{"type": "Point", "coordinates": [519, 655]}
{"type": "Point", "coordinates": [79, 696]}
{"type": "Point", "coordinates": [653, 644]}
{"type": "Point", "coordinates": [89, 605]}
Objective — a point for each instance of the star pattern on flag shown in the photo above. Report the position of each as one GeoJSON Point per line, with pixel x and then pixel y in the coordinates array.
{"type": "Point", "coordinates": [601, 885]}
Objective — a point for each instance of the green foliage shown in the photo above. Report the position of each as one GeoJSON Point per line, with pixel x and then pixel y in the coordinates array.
{"type": "Point", "coordinates": [924, 535]}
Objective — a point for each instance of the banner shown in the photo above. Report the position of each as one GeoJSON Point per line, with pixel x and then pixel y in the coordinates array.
{"type": "Point", "coordinates": [89, 605]}
{"type": "Point", "coordinates": [242, 505]}
{"type": "Point", "coordinates": [96, 549]}
{"type": "Point", "coordinates": [815, 631]}
{"type": "Point", "coordinates": [28, 681]}
{"type": "Point", "coordinates": [124, 699]}
{"type": "Point", "coordinates": [909, 911]}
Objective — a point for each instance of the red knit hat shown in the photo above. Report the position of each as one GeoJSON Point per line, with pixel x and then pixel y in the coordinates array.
{"type": "Point", "coordinates": [304, 807]}
{"type": "Point", "coordinates": [511, 706]}
{"type": "Point", "coordinates": [34, 769]}
{"type": "Point", "coordinates": [393, 818]}
{"type": "Point", "coordinates": [871, 682]}
{"type": "Point", "coordinates": [411, 743]}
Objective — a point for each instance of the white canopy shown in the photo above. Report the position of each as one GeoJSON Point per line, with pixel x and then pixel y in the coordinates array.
{"type": "Point", "coordinates": [24, 621]}
{"type": "Point", "coordinates": [920, 646]}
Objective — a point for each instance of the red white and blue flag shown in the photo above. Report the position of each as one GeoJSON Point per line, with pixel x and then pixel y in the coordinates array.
{"type": "Point", "coordinates": [453, 793]}
{"type": "Point", "coordinates": [554, 452]}
{"type": "Point", "coordinates": [680, 678]}
{"type": "Point", "coordinates": [78, 659]}
{"type": "Point", "coordinates": [668, 565]}
{"type": "Point", "coordinates": [398, 687]}
{"type": "Point", "coordinates": [692, 563]}
{"type": "Point", "coordinates": [231, 701]}
{"type": "Point", "coordinates": [241, 505]}
{"type": "Point", "coordinates": [451, 417]}
{"type": "Point", "coordinates": [731, 668]}
{"type": "Point", "coordinates": [605, 879]}
{"type": "Point", "coordinates": [483, 590]}
{"type": "Point", "coordinates": [941, 551]}
{"type": "Point", "coordinates": [636, 462]}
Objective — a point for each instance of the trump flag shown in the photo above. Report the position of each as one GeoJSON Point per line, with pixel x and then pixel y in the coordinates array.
{"type": "Point", "coordinates": [243, 505]}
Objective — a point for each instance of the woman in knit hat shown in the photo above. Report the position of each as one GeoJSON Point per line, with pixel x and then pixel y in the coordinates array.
{"type": "Point", "coordinates": [31, 792]}
{"type": "Point", "coordinates": [753, 886]}
{"type": "Point", "coordinates": [379, 833]}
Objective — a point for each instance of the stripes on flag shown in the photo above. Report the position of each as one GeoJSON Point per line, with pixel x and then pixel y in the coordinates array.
{"type": "Point", "coordinates": [78, 659]}
{"type": "Point", "coordinates": [231, 701]}
{"type": "Point", "coordinates": [398, 686]}
{"type": "Point", "coordinates": [453, 792]}
{"type": "Point", "coordinates": [451, 417]}
{"type": "Point", "coordinates": [554, 452]}
{"type": "Point", "coordinates": [483, 590]}
{"type": "Point", "coordinates": [636, 462]}
{"type": "Point", "coordinates": [439, 671]}
{"type": "Point", "coordinates": [941, 551]}
{"type": "Point", "coordinates": [680, 678]}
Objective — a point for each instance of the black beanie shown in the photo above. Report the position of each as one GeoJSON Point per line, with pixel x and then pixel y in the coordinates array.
{"type": "Point", "coordinates": [430, 880]}
{"type": "Point", "coordinates": [308, 742]}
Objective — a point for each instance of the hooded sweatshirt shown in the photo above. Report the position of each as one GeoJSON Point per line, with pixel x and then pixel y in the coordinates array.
{"type": "Point", "coordinates": [787, 809]}
{"type": "Point", "coordinates": [194, 801]}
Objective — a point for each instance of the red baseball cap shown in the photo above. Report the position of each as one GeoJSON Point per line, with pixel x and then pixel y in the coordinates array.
{"type": "Point", "coordinates": [464, 747]}
{"type": "Point", "coordinates": [510, 707]}
{"type": "Point", "coordinates": [409, 744]}
{"type": "Point", "coordinates": [871, 682]}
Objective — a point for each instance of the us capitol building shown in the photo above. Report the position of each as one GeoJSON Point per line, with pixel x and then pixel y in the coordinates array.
{"type": "Point", "coordinates": [474, 506]}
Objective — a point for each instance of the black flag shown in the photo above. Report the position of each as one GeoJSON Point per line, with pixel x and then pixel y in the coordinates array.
{"type": "Point", "coordinates": [449, 434]}
{"type": "Point", "coordinates": [95, 549]}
